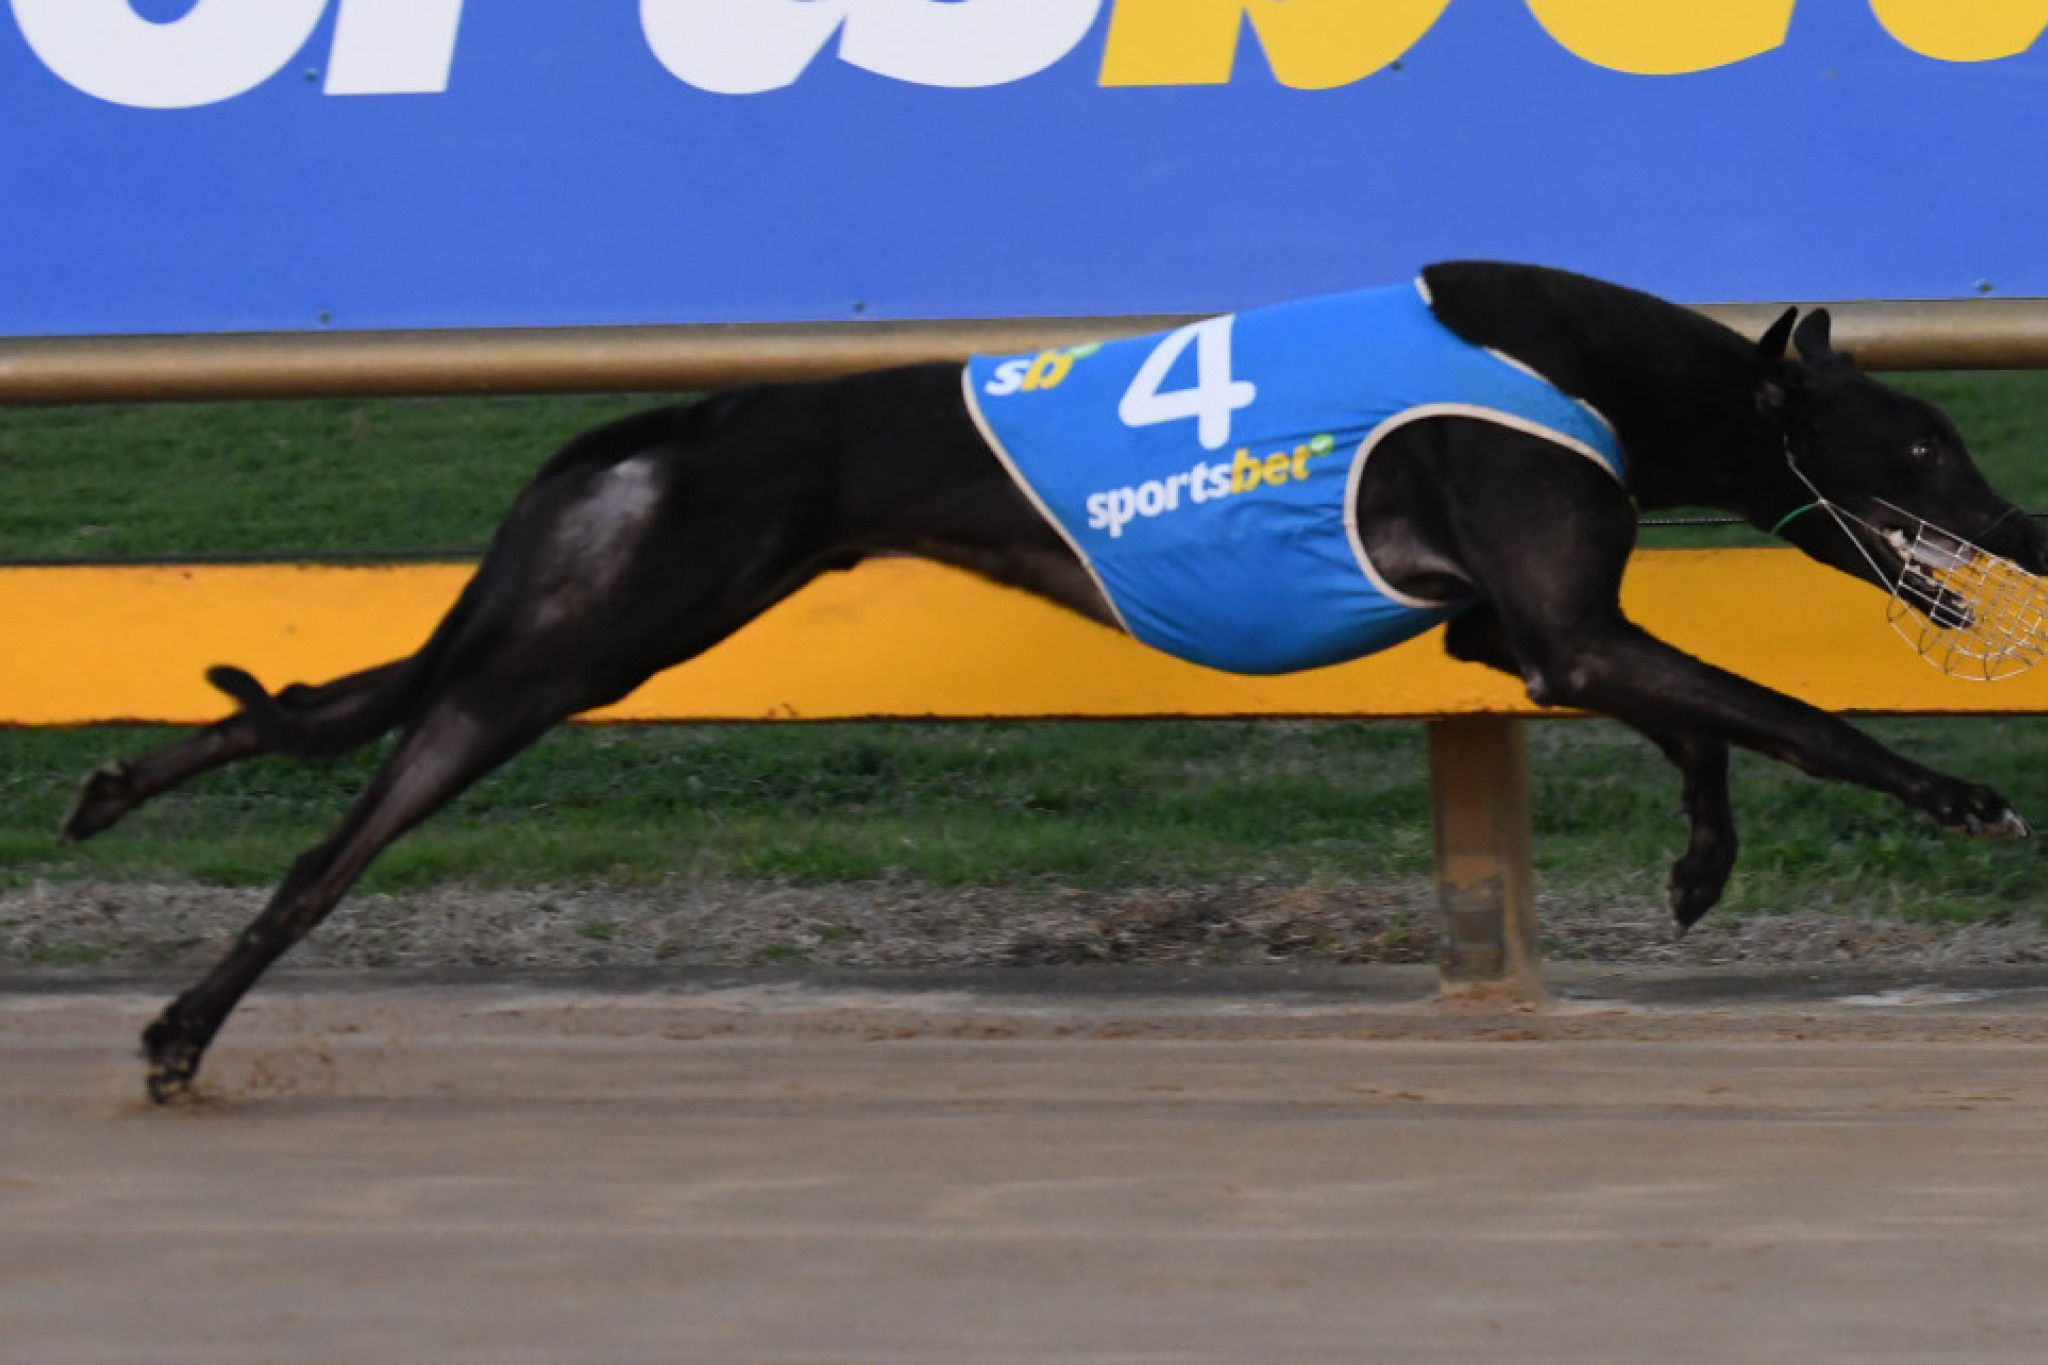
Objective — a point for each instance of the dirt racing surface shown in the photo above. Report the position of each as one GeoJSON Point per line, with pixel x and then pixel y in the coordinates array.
{"type": "Point", "coordinates": [1108, 1164]}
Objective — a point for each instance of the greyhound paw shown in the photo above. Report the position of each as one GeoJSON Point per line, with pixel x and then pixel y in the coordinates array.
{"type": "Point", "coordinates": [1699, 878]}
{"type": "Point", "coordinates": [2007, 824]}
{"type": "Point", "coordinates": [106, 794]}
{"type": "Point", "coordinates": [1690, 898]}
{"type": "Point", "coordinates": [173, 1059]}
{"type": "Point", "coordinates": [1982, 813]}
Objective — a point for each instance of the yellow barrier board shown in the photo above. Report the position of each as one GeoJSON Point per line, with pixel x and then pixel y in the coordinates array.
{"type": "Point", "coordinates": [901, 638]}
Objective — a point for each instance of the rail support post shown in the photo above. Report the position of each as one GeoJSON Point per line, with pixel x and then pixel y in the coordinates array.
{"type": "Point", "coordinates": [1486, 882]}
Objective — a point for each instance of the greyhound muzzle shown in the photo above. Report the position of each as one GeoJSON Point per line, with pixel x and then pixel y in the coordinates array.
{"type": "Point", "coordinates": [1966, 611]}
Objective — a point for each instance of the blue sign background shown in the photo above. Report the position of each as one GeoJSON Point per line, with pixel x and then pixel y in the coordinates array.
{"type": "Point", "coordinates": [566, 177]}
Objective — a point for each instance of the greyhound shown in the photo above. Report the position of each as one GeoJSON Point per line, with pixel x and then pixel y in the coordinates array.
{"type": "Point", "coordinates": [648, 540]}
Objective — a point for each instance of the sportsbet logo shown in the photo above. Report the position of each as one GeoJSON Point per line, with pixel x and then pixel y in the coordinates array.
{"type": "Point", "coordinates": [1042, 371]}
{"type": "Point", "coordinates": [1113, 509]}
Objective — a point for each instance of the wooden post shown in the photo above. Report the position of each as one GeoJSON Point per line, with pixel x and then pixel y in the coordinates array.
{"type": "Point", "coordinates": [1486, 883]}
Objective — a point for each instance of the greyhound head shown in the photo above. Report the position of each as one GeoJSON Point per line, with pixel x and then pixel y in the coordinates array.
{"type": "Point", "coordinates": [1894, 465]}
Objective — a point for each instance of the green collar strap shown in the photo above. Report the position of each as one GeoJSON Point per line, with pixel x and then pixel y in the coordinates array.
{"type": "Point", "coordinates": [1792, 516]}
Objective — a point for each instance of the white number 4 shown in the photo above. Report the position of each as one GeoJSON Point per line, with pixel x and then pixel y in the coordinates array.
{"type": "Point", "coordinates": [1210, 402]}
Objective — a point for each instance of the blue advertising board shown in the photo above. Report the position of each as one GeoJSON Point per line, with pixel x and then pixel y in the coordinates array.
{"type": "Point", "coordinates": [256, 165]}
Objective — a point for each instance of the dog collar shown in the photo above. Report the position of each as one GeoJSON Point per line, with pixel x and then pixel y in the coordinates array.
{"type": "Point", "coordinates": [1792, 516]}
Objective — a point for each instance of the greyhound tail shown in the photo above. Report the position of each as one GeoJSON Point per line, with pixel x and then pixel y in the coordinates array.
{"type": "Point", "coordinates": [344, 715]}
{"type": "Point", "coordinates": [303, 731]}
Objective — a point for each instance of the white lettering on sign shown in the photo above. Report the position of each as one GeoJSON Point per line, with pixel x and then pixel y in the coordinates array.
{"type": "Point", "coordinates": [223, 48]}
{"type": "Point", "coordinates": [739, 47]}
{"type": "Point", "coordinates": [219, 49]}
{"type": "Point", "coordinates": [963, 43]}
{"type": "Point", "coordinates": [393, 47]}
{"type": "Point", "coordinates": [746, 47]}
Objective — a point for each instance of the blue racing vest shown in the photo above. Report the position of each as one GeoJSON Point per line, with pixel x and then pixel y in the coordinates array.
{"type": "Point", "coordinates": [1208, 477]}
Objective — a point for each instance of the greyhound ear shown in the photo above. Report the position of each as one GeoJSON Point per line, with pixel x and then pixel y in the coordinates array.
{"type": "Point", "coordinates": [1771, 346]}
{"type": "Point", "coordinates": [1779, 385]}
{"type": "Point", "coordinates": [1811, 338]}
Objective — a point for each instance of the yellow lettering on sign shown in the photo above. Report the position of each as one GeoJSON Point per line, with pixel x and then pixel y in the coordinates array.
{"type": "Point", "coordinates": [1048, 369]}
{"type": "Point", "coordinates": [1979, 31]}
{"type": "Point", "coordinates": [1310, 44]}
{"type": "Point", "coordinates": [1666, 37]}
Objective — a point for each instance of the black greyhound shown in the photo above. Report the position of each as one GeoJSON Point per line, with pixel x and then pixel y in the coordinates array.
{"type": "Point", "coordinates": [650, 539]}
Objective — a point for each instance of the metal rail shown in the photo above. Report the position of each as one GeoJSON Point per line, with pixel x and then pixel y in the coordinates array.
{"type": "Point", "coordinates": [1939, 335]}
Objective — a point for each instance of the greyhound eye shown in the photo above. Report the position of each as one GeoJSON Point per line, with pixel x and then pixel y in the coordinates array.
{"type": "Point", "coordinates": [1924, 450]}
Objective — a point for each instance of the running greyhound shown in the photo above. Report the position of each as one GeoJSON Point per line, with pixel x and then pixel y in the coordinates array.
{"type": "Point", "coordinates": [1267, 491]}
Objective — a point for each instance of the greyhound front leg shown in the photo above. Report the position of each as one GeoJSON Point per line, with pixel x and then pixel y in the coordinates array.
{"type": "Point", "coordinates": [1700, 874]}
{"type": "Point", "coordinates": [1626, 673]}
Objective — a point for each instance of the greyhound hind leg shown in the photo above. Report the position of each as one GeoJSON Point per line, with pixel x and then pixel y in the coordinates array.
{"type": "Point", "coordinates": [447, 751]}
{"type": "Point", "coordinates": [499, 697]}
{"type": "Point", "coordinates": [111, 791]}
{"type": "Point", "coordinates": [570, 611]}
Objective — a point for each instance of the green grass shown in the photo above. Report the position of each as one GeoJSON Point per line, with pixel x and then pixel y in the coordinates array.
{"type": "Point", "coordinates": [950, 804]}
{"type": "Point", "coordinates": [1086, 804]}
{"type": "Point", "coordinates": [1081, 804]}
{"type": "Point", "coordinates": [309, 478]}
